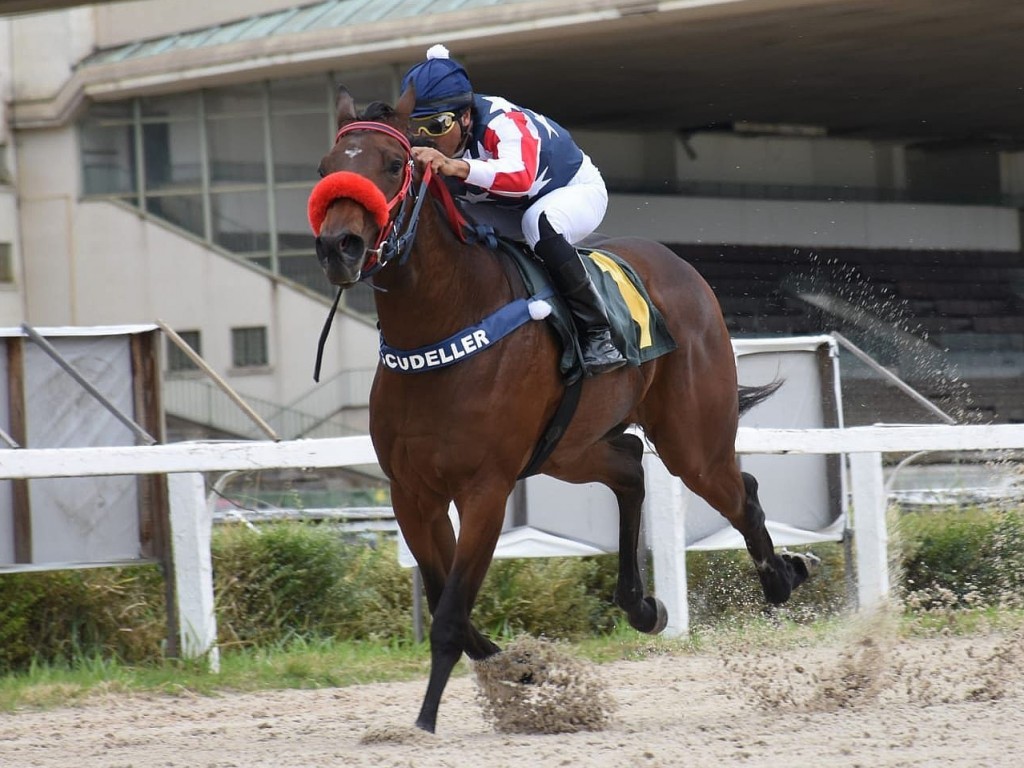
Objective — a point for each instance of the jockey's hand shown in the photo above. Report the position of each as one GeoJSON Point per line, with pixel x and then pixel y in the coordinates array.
{"type": "Point", "coordinates": [440, 163]}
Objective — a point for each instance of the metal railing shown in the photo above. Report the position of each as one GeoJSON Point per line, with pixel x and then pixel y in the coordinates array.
{"type": "Point", "coordinates": [202, 402]}
{"type": "Point", "coordinates": [345, 390]}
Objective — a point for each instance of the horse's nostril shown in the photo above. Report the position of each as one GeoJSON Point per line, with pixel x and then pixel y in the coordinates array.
{"type": "Point", "coordinates": [347, 246]}
{"type": "Point", "coordinates": [352, 246]}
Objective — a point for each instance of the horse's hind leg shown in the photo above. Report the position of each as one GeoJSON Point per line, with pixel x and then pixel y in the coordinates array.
{"type": "Point", "coordinates": [779, 574]}
{"type": "Point", "coordinates": [617, 463]}
{"type": "Point", "coordinates": [734, 495]}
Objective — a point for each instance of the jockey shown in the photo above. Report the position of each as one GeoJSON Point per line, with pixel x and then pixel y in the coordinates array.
{"type": "Point", "coordinates": [524, 175]}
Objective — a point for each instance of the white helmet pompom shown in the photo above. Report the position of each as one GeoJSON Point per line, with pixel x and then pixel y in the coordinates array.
{"type": "Point", "coordinates": [437, 52]}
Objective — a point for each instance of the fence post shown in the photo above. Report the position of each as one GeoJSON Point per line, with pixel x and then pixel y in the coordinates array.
{"type": "Point", "coordinates": [191, 529]}
{"type": "Point", "coordinates": [665, 510]}
{"type": "Point", "coordinates": [871, 534]}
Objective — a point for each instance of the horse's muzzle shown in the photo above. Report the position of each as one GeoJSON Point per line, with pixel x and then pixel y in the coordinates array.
{"type": "Point", "coordinates": [341, 256]}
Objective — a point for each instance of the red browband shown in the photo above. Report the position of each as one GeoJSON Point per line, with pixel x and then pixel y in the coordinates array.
{"type": "Point", "coordinates": [366, 125]}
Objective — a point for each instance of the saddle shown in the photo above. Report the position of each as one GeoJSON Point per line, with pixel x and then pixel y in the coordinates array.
{"type": "Point", "coordinates": [638, 329]}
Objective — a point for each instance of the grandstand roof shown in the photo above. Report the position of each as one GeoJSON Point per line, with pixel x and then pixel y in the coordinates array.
{"type": "Point", "coordinates": [851, 67]}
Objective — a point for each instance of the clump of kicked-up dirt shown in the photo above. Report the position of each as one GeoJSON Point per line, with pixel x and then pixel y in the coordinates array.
{"type": "Point", "coordinates": [872, 663]}
{"type": "Point", "coordinates": [390, 733]}
{"type": "Point", "coordinates": [534, 686]}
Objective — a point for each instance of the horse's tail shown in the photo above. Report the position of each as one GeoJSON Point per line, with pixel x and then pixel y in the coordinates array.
{"type": "Point", "coordinates": [751, 396]}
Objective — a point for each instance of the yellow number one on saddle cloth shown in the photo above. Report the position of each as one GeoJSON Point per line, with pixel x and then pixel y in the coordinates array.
{"type": "Point", "coordinates": [638, 308]}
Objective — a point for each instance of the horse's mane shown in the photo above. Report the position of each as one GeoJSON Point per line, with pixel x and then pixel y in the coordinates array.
{"type": "Point", "coordinates": [378, 112]}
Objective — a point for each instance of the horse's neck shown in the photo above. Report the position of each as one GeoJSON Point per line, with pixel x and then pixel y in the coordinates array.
{"type": "Point", "coordinates": [445, 286]}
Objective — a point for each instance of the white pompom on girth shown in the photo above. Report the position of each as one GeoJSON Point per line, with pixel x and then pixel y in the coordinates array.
{"type": "Point", "coordinates": [539, 309]}
{"type": "Point", "coordinates": [437, 52]}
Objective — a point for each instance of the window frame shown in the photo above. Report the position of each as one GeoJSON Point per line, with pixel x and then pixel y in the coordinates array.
{"type": "Point", "coordinates": [198, 106]}
{"type": "Point", "coordinates": [241, 346]}
{"type": "Point", "coordinates": [177, 362]}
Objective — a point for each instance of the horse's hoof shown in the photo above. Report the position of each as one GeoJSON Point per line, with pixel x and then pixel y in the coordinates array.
{"type": "Point", "coordinates": [804, 565]}
{"type": "Point", "coordinates": [661, 616]}
{"type": "Point", "coordinates": [426, 725]}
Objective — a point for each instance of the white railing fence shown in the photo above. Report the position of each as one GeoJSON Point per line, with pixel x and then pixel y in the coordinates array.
{"type": "Point", "coordinates": [190, 518]}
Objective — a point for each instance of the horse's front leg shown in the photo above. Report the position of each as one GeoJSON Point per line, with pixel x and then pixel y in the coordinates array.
{"type": "Point", "coordinates": [482, 512]}
{"type": "Point", "coordinates": [430, 537]}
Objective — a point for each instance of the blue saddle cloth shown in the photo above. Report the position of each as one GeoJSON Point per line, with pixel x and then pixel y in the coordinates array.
{"type": "Point", "coordinates": [638, 328]}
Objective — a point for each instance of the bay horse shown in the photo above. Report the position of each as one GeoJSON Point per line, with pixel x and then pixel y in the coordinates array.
{"type": "Point", "coordinates": [464, 433]}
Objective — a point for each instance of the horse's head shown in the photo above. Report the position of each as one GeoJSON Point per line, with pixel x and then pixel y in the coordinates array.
{"type": "Point", "coordinates": [364, 178]}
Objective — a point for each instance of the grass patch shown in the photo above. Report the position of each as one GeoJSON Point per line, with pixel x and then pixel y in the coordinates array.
{"type": "Point", "coordinates": [299, 664]}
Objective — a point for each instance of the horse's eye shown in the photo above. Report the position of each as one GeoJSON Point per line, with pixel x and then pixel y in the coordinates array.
{"type": "Point", "coordinates": [395, 167]}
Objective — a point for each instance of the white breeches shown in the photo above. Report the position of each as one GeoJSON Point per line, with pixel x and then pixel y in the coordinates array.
{"type": "Point", "coordinates": [575, 210]}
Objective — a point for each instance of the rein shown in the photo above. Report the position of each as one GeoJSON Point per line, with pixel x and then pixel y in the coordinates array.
{"type": "Point", "coordinates": [397, 231]}
{"type": "Point", "coordinates": [395, 239]}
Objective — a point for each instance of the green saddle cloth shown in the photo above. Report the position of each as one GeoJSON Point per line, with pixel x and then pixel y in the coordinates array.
{"type": "Point", "coordinates": [638, 329]}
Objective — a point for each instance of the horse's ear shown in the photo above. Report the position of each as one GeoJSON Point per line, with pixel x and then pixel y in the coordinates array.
{"type": "Point", "coordinates": [406, 103]}
{"type": "Point", "coordinates": [345, 107]}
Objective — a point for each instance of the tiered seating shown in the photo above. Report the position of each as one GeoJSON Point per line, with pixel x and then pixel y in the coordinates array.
{"type": "Point", "coordinates": [968, 306]}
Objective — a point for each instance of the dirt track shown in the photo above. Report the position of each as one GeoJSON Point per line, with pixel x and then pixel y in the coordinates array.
{"type": "Point", "coordinates": [865, 700]}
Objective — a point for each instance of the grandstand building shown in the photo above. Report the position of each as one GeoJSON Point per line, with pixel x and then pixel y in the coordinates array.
{"type": "Point", "coordinates": [849, 165]}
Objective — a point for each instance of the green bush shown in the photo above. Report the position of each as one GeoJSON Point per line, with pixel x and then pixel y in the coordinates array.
{"type": "Point", "coordinates": [559, 597]}
{"type": "Point", "coordinates": [292, 580]}
{"type": "Point", "coordinates": [301, 581]}
{"type": "Point", "coordinates": [724, 585]}
{"type": "Point", "coordinates": [963, 558]}
{"type": "Point", "coordinates": [57, 617]}
{"type": "Point", "coordinates": [569, 598]}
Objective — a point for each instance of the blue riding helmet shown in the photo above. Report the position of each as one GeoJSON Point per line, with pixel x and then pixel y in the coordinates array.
{"type": "Point", "coordinates": [441, 83]}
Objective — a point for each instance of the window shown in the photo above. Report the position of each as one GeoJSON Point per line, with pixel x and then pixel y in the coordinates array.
{"type": "Point", "coordinates": [298, 128]}
{"type": "Point", "coordinates": [170, 142]}
{"type": "Point", "coordinates": [177, 360]}
{"type": "Point", "coordinates": [249, 347]}
{"type": "Point", "coordinates": [240, 221]}
{"type": "Point", "coordinates": [231, 165]}
{"type": "Point", "coordinates": [185, 211]}
{"type": "Point", "coordinates": [6, 264]}
{"type": "Point", "coordinates": [107, 144]}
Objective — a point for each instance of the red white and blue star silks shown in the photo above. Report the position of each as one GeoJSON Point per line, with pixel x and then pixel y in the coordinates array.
{"type": "Point", "coordinates": [515, 155]}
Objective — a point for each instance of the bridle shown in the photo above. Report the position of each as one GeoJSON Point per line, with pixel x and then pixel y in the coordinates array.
{"type": "Point", "coordinates": [397, 229]}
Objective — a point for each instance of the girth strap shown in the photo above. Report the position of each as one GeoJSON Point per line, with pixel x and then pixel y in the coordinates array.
{"type": "Point", "coordinates": [555, 429]}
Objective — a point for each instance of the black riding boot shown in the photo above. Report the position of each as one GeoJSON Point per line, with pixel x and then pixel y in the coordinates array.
{"type": "Point", "coordinates": [572, 281]}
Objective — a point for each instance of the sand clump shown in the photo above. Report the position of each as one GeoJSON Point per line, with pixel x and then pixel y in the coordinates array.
{"type": "Point", "coordinates": [390, 733]}
{"type": "Point", "coordinates": [535, 686]}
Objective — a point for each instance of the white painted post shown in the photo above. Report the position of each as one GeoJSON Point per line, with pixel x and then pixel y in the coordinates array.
{"type": "Point", "coordinates": [871, 535]}
{"type": "Point", "coordinates": [191, 530]}
{"type": "Point", "coordinates": [665, 510]}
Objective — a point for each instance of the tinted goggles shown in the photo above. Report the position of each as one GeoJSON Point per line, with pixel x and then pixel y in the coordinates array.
{"type": "Point", "coordinates": [434, 125]}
